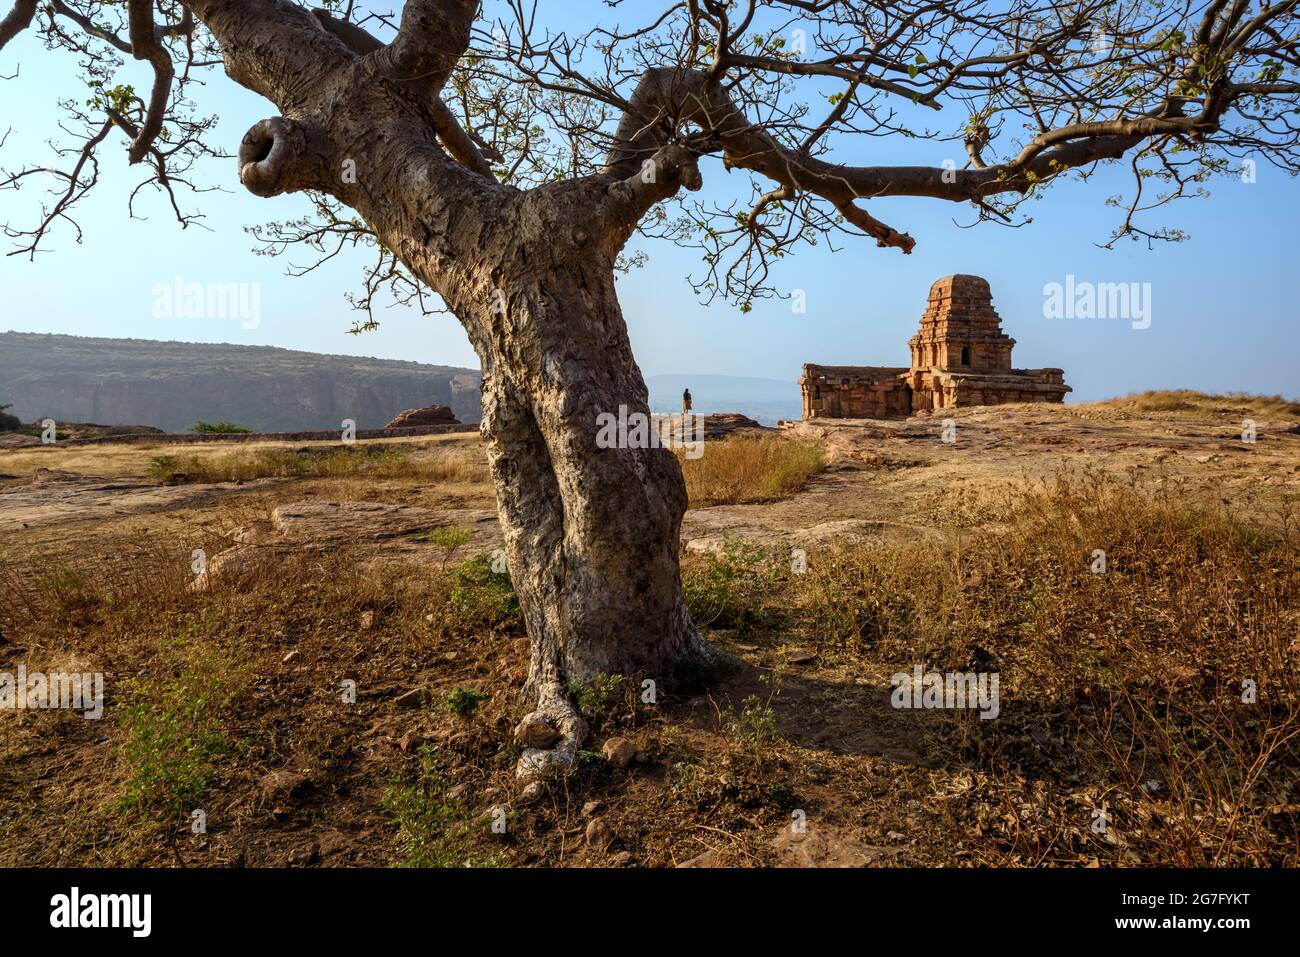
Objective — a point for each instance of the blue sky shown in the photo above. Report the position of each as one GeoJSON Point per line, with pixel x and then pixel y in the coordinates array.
{"type": "Point", "coordinates": [1224, 303]}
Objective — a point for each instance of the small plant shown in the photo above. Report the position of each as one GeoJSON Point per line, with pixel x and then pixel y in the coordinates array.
{"type": "Point", "coordinates": [754, 727]}
{"type": "Point", "coordinates": [8, 422]}
{"type": "Point", "coordinates": [462, 702]}
{"type": "Point", "coordinates": [727, 590]}
{"type": "Point", "coordinates": [687, 779]}
{"type": "Point", "coordinates": [449, 538]}
{"type": "Point", "coordinates": [597, 698]}
{"type": "Point", "coordinates": [219, 428]}
{"type": "Point", "coordinates": [427, 819]}
{"type": "Point", "coordinates": [480, 596]}
{"type": "Point", "coordinates": [174, 735]}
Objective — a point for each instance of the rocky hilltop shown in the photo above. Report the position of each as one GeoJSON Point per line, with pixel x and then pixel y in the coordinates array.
{"type": "Point", "coordinates": [173, 385]}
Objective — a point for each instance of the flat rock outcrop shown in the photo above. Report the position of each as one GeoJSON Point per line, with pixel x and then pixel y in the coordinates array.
{"type": "Point", "coordinates": [430, 415]}
{"type": "Point", "coordinates": [386, 532]}
{"type": "Point", "coordinates": [56, 496]}
{"type": "Point", "coordinates": [720, 425]}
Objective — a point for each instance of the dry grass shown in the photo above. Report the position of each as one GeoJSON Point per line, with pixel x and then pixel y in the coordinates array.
{"type": "Point", "coordinates": [448, 464]}
{"type": "Point", "coordinates": [455, 457]}
{"type": "Point", "coordinates": [1120, 691]}
{"type": "Point", "coordinates": [737, 470]}
{"type": "Point", "coordinates": [1163, 402]}
{"type": "Point", "coordinates": [208, 692]}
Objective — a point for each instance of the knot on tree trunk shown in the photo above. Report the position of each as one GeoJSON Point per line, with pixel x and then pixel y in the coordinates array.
{"type": "Point", "coordinates": [276, 156]}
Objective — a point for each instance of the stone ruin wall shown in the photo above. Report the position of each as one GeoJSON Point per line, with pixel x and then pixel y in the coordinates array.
{"type": "Point", "coordinates": [854, 392]}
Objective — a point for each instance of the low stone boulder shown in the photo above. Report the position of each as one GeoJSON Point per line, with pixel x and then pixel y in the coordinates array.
{"type": "Point", "coordinates": [430, 415]}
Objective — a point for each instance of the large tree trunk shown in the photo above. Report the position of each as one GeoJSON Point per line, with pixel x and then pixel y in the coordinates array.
{"type": "Point", "coordinates": [591, 533]}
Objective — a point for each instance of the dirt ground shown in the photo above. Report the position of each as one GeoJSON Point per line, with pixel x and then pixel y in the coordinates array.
{"type": "Point", "coordinates": [787, 731]}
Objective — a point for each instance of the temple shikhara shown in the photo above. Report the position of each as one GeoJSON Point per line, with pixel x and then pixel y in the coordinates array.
{"type": "Point", "coordinates": [960, 357]}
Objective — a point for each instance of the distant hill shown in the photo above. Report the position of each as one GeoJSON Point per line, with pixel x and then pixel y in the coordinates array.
{"type": "Point", "coordinates": [173, 385]}
{"type": "Point", "coordinates": [764, 400]}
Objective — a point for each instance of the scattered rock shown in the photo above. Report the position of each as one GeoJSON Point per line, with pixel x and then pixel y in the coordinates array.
{"type": "Point", "coordinates": [621, 859]}
{"type": "Point", "coordinates": [279, 785]}
{"type": "Point", "coordinates": [304, 856]}
{"type": "Point", "coordinates": [801, 656]}
{"type": "Point", "coordinates": [531, 792]}
{"type": "Point", "coordinates": [599, 835]}
{"type": "Point", "coordinates": [821, 846]}
{"type": "Point", "coordinates": [619, 752]}
{"type": "Point", "coordinates": [723, 424]}
{"type": "Point", "coordinates": [367, 620]}
{"type": "Point", "coordinates": [534, 731]}
{"type": "Point", "coordinates": [591, 809]}
{"type": "Point", "coordinates": [456, 792]}
{"type": "Point", "coordinates": [410, 699]}
{"type": "Point", "coordinates": [289, 657]}
{"type": "Point", "coordinates": [709, 858]}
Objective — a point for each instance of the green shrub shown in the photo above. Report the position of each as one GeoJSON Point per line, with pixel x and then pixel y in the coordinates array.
{"type": "Point", "coordinates": [727, 591]}
{"type": "Point", "coordinates": [219, 428]}
{"type": "Point", "coordinates": [428, 825]}
{"type": "Point", "coordinates": [481, 597]}
{"type": "Point", "coordinates": [599, 696]}
{"type": "Point", "coordinates": [174, 735]}
{"type": "Point", "coordinates": [463, 702]}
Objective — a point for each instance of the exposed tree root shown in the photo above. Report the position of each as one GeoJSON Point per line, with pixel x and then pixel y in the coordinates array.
{"type": "Point", "coordinates": [554, 707]}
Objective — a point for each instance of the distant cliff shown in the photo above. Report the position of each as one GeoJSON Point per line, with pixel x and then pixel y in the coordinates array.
{"type": "Point", "coordinates": [173, 385]}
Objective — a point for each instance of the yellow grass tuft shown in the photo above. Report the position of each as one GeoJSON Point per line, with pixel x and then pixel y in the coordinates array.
{"type": "Point", "coordinates": [1203, 403]}
{"type": "Point", "coordinates": [737, 470]}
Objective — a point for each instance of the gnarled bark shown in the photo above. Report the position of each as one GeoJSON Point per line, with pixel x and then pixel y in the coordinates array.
{"type": "Point", "coordinates": [591, 533]}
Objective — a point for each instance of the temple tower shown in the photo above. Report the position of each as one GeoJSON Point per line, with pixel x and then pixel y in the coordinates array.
{"type": "Point", "coordinates": [960, 330]}
{"type": "Point", "coordinates": [960, 357]}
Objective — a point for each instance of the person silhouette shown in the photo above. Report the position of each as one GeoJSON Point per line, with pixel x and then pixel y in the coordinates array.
{"type": "Point", "coordinates": [686, 400]}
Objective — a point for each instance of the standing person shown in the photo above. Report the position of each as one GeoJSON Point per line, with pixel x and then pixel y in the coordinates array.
{"type": "Point", "coordinates": [686, 401]}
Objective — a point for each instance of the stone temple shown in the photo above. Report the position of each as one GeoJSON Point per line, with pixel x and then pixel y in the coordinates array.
{"type": "Point", "coordinates": [960, 357]}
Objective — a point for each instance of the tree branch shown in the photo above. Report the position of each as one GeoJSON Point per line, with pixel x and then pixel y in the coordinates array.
{"type": "Point", "coordinates": [452, 135]}
{"type": "Point", "coordinates": [432, 37]}
{"type": "Point", "coordinates": [16, 20]}
{"type": "Point", "coordinates": [146, 46]}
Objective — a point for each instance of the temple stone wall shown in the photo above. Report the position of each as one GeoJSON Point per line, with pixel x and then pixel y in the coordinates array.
{"type": "Point", "coordinates": [854, 392]}
{"type": "Point", "coordinates": [960, 357]}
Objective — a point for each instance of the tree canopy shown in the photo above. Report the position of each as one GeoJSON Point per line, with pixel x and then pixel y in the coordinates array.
{"type": "Point", "coordinates": [781, 91]}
